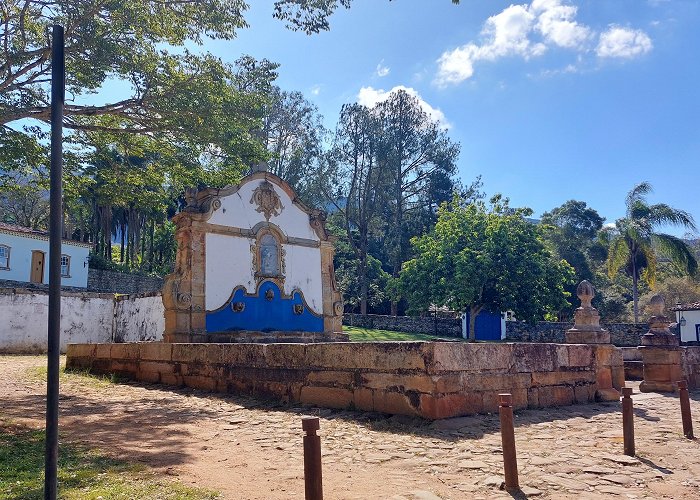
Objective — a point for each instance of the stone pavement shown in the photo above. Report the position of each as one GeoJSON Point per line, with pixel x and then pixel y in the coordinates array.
{"type": "Point", "coordinates": [250, 448]}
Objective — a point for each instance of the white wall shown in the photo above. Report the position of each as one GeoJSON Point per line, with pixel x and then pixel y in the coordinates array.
{"type": "Point", "coordinates": [21, 248]}
{"type": "Point", "coordinates": [237, 211]}
{"type": "Point", "coordinates": [85, 318]}
{"type": "Point", "coordinates": [228, 263]}
{"type": "Point", "coordinates": [692, 318]}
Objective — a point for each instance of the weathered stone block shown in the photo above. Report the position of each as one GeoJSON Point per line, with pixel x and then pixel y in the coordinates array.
{"type": "Point", "coordinates": [580, 356]}
{"type": "Point", "coordinates": [332, 378]}
{"type": "Point", "coordinates": [156, 351]}
{"type": "Point", "coordinates": [556, 396]}
{"type": "Point", "coordinates": [394, 403]}
{"type": "Point", "coordinates": [450, 405]}
{"type": "Point", "coordinates": [534, 357]}
{"type": "Point", "coordinates": [398, 382]}
{"type": "Point", "coordinates": [285, 355]}
{"type": "Point", "coordinates": [331, 397]}
{"type": "Point", "coordinates": [80, 350]}
{"type": "Point", "coordinates": [503, 382]}
{"type": "Point", "coordinates": [603, 377]}
{"type": "Point", "coordinates": [390, 356]}
{"type": "Point", "coordinates": [102, 350]}
{"type": "Point", "coordinates": [193, 353]}
{"type": "Point", "coordinates": [363, 399]}
{"type": "Point", "coordinates": [449, 356]}
{"type": "Point", "coordinates": [584, 393]}
{"type": "Point", "coordinates": [200, 382]}
{"type": "Point", "coordinates": [156, 366]}
{"type": "Point", "coordinates": [563, 378]}
{"type": "Point", "coordinates": [146, 376]}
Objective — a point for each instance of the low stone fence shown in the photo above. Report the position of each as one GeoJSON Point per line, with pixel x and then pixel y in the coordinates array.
{"type": "Point", "coordinates": [621, 334]}
{"type": "Point", "coordinates": [429, 379]}
{"type": "Point", "coordinates": [444, 327]}
{"type": "Point", "coordinates": [85, 317]}
{"type": "Point", "coordinates": [100, 280]}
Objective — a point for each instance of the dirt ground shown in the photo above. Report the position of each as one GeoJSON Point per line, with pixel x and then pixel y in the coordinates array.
{"type": "Point", "coordinates": [252, 449]}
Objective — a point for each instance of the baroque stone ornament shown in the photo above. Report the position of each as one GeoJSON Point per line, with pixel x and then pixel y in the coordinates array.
{"type": "Point", "coordinates": [267, 200]}
{"type": "Point", "coordinates": [587, 329]}
{"type": "Point", "coordinates": [661, 354]}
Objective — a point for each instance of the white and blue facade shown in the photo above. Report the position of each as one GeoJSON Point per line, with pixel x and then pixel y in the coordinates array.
{"type": "Point", "coordinates": [24, 257]}
{"type": "Point", "coordinates": [251, 257]}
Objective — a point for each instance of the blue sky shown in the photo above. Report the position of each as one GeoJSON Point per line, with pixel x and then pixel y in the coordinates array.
{"type": "Point", "coordinates": [550, 99]}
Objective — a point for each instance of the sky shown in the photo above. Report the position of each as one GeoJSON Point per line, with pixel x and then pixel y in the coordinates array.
{"type": "Point", "coordinates": [550, 100]}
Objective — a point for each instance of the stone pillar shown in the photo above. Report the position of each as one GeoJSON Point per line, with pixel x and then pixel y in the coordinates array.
{"type": "Point", "coordinates": [609, 366]}
{"type": "Point", "coordinates": [661, 354]}
{"type": "Point", "coordinates": [587, 329]}
{"type": "Point", "coordinates": [332, 300]}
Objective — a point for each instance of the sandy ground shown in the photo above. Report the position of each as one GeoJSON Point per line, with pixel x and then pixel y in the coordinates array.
{"type": "Point", "coordinates": [252, 449]}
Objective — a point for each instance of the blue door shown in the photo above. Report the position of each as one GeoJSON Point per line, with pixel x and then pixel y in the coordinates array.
{"type": "Point", "coordinates": [488, 326]}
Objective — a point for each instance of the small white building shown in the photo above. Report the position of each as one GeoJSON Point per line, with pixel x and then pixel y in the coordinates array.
{"type": "Point", "coordinates": [24, 255]}
{"type": "Point", "coordinates": [688, 319]}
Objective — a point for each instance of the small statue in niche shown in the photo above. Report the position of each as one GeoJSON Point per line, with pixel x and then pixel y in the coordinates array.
{"type": "Point", "coordinates": [269, 256]}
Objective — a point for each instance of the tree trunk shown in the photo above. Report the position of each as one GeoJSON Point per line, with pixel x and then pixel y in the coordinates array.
{"type": "Point", "coordinates": [635, 293]}
{"type": "Point", "coordinates": [363, 281]}
{"type": "Point", "coordinates": [473, 313]}
{"type": "Point", "coordinates": [121, 250]}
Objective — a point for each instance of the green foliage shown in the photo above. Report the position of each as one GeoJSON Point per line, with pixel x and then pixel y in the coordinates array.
{"type": "Point", "coordinates": [635, 243]}
{"type": "Point", "coordinates": [481, 257]}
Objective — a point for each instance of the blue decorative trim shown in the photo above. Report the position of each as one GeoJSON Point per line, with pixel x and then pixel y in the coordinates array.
{"type": "Point", "coordinates": [267, 310]}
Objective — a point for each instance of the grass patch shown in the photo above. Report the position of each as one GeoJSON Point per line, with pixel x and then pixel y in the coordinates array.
{"type": "Point", "coordinates": [38, 374]}
{"type": "Point", "coordinates": [369, 335]}
{"type": "Point", "coordinates": [83, 473]}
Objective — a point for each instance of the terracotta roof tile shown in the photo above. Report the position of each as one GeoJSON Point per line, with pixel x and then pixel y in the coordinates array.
{"type": "Point", "coordinates": [692, 306]}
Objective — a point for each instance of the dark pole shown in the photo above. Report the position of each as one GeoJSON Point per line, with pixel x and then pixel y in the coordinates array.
{"type": "Point", "coordinates": [58, 72]}
{"type": "Point", "coordinates": [313, 482]}
{"type": "Point", "coordinates": [685, 409]}
{"type": "Point", "coordinates": [510, 461]}
{"type": "Point", "coordinates": [627, 421]}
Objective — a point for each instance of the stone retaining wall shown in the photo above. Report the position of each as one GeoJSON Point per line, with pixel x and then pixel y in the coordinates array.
{"type": "Point", "coordinates": [100, 280]}
{"type": "Point", "coordinates": [444, 327]}
{"type": "Point", "coordinates": [429, 379]}
{"type": "Point", "coordinates": [621, 334]}
{"type": "Point", "coordinates": [690, 366]}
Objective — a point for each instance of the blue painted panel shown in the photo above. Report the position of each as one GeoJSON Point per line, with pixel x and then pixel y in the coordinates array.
{"type": "Point", "coordinates": [262, 314]}
{"type": "Point", "coordinates": [488, 326]}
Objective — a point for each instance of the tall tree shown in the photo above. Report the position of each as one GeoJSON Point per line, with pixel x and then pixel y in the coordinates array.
{"type": "Point", "coordinates": [573, 228]}
{"type": "Point", "coordinates": [485, 258]}
{"type": "Point", "coordinates": [412, 151]}
{"type": "Point", "coordinates": [635, 242]}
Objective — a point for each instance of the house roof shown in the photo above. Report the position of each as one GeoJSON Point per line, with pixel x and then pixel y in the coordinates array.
{"type": "Point", "coordinates": [692, 306]}
{"type": "Point", "coordinates": [36, 234]}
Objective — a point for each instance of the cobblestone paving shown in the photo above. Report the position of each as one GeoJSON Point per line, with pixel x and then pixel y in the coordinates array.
{"type": "Point", "coordinates": [249, 448]}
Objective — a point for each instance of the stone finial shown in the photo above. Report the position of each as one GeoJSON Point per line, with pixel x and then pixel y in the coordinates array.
{"type": "Point", "coordinates": [585, 292]}
{"type": "Point", "coordinates": [657, 304]}
{"type": "Point", "coordinates": [659, 324]}
{"type": "Point", "coordinates": [587, 329]}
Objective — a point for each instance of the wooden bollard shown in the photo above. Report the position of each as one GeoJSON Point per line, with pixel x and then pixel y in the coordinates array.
{"type": "Point", "coordinates": [685, 409]}
{"type": "Point", "coordinates": [627, 421]}
{"type": "Point", "coordinates": [510, 461]}
{"type": "Point", "coordinates": [313, 482]}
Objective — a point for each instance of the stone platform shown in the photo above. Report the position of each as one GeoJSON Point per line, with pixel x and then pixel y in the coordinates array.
{"type": "Point", "coordinates": [432, 380]}
{"type": "Point", "coordinates": [256, 337]}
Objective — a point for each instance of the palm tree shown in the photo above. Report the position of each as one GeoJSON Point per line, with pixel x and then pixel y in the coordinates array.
{"type": "Point", "coordinates": [634, 244]}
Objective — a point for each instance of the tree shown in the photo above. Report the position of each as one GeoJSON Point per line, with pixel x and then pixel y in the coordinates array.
{"type": "Point", "coordinates": [293, 132]}
{"type": "Point", "coordinates": [412, 151]}
{"type": "Point", "coordinates": [572, 231]}
{"type": "Point", "coordinates": [635, 242]}
{"type": "Point", "coordinates": [485, 258]}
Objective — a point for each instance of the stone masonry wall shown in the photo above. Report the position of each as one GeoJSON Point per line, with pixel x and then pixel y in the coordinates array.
{"type": "Point", "coordinates": [444, 327]}
{"type": "Point", "coordinates": [100, 280]}
{"type": "Point", "coordinates": [429, 379]}
{"type": "Point", "coordinates": [621, 334]}
{"type": "Point", "coordinates": [690, 365]}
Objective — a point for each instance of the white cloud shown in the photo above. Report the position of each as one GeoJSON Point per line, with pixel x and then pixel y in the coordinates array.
{"type": "Point", "coordinates": [526, 30]}
{"type": "Point", "coordinates": [316, 89]}
{"type": "Point", "coordinates": [623, 42]}
{"type": "Point", "coordinates": [382, 70]}
{"type": "Point", "coordinates": [369, 96]}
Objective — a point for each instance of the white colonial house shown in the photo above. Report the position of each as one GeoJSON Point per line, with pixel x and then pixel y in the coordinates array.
{"type": "Point", "coordinates": [688, 319]}
{"type": "Point", "coordinates": [24, 255]}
